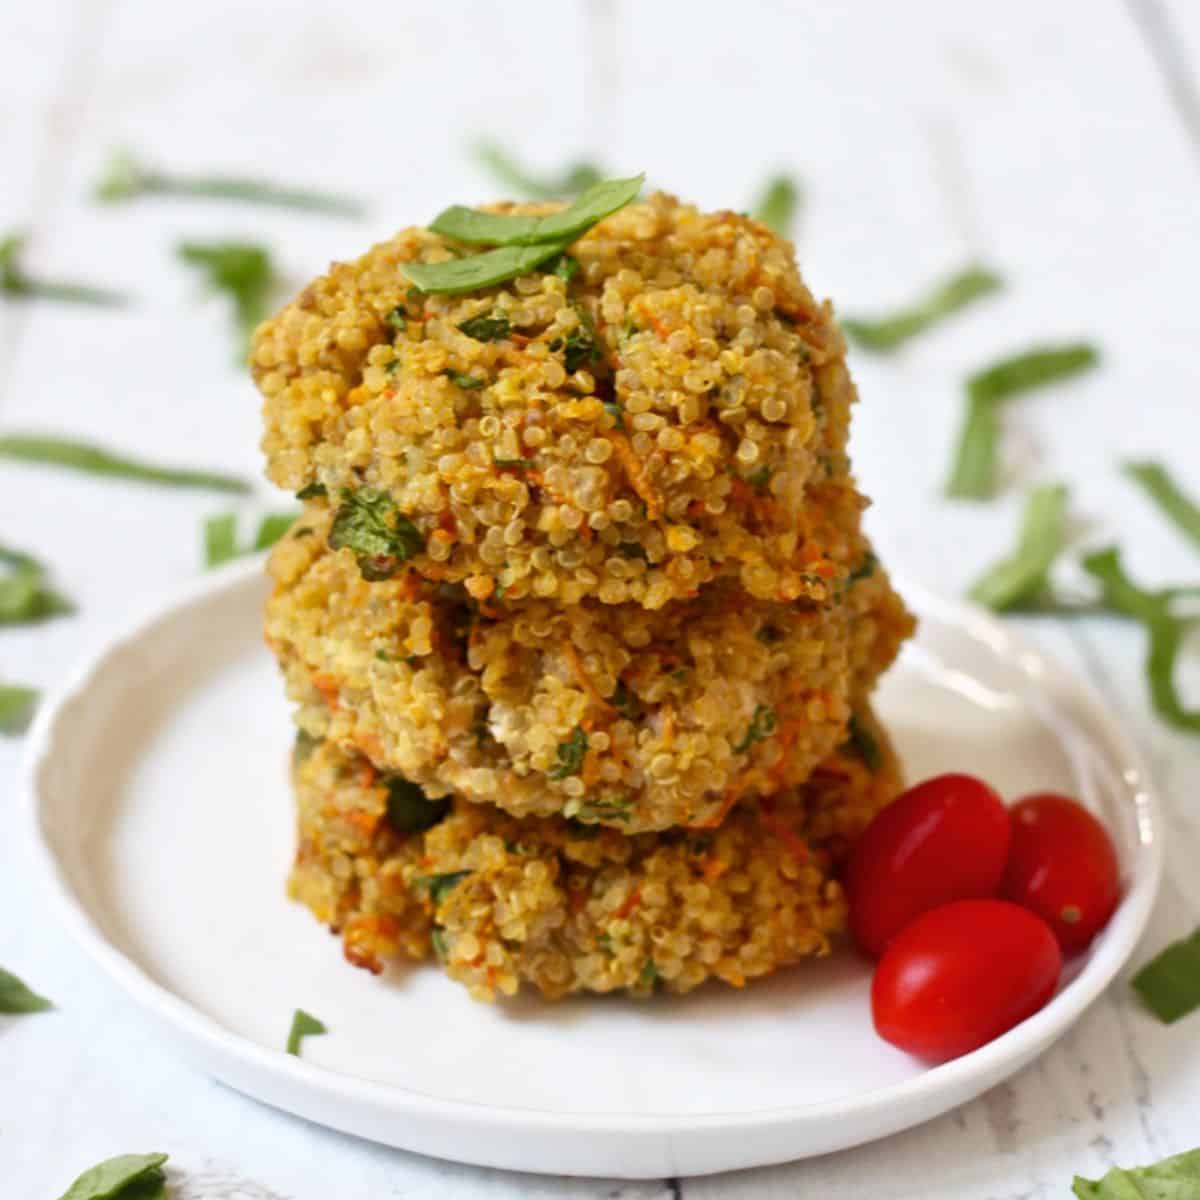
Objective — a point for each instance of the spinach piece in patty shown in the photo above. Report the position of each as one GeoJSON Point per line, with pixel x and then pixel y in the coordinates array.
{"type": "Point", "coordinates": [382, 538]}
{"type": "Point", "coordinates": [571, 754]}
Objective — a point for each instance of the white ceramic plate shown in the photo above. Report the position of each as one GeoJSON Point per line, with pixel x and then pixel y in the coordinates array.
{"type": "Point", "coordinates": [160, 813]}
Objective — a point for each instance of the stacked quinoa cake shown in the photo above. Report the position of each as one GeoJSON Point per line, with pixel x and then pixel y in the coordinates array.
{"type": "Point", "coordinates": [579, 618]}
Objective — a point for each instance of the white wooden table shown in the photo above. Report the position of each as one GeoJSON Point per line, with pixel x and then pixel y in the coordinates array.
{"type": "Point", "coordinates": [1060, 142]}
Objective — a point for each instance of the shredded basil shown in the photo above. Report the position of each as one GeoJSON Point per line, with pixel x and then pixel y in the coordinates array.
{"type": "Point", "coordinates": [1174, 502]}
{"type": "Point", "coordinates": [504, 166]}
{"type": "Point", "coordinates": [16, 707]}
{"type": "Point", "coordinates": [303, 1025]}
{"type": "Point", "coordinates": [570, 754]}
{"type": "Point", "coordinates": [440, 886]}
{"type": "Point", "coordinates": [220, 536]}
{"type": "Point", "coordinates": [470, 383]}
{"type": "Point", "coordinates": [382, 538]}
{"type": "Point", "coordinates": [17, 997]}
{"type": "Point", "coordinates": [397, 319]}
{"type": "Point", "coordinates": [15, 282]}
{"type": "Point", "coordinates": [493, 328]}
{"type": "Point", "coordinates": [1022, 577]}
{"type": "Point", "coordinates": [762, 725]}
{"type": "Point", "coordinates": [778, 205]}
{"type": "Point", "coordinates": [243, 271]}
{"type": "Point", "coordinates": [25, 596]}
{"type": "Point", "coordinates": [312, 491]}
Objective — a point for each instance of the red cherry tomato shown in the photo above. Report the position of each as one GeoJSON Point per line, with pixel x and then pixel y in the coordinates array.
{"type": "Point", "coordinates": [1063, 866]}
{"type": "Point", "coordinates": [961, 975]}
{"type": "Point", "coordinates": [945, 839]}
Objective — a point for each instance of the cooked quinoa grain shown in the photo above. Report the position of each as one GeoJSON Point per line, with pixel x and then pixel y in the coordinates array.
{"type": "Point", "coordinates": [564, 907]}
{"type": "Point", "coordinates": [628, 717]}
{"type": "Point", "coordinates": [674, 413]}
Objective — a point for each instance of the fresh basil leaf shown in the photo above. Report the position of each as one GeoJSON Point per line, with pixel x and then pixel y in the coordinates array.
{"type": "Point", "coordinates": [469, 383]}
{"type": "Point", "coordinates": [109, 1180]}
{"type": "Point", "coordinates": [16, 997]}
{"type": "Point", "coordinates": [458, 275]}
{"type": "Point", "coordinates": [440, 886]}
{"type": "Point", "coordinates": [1170, 982]}
{"type": "Point", "coordinates": [1174, 502]}
{"type": "Point", "coordinates": [484, 328]}
{"type": "Point", "coordinates": [1024, 575]}
{"type": "Point", "coordinates": [243, 271]}
{"type": "Point", "coordinates": [762, 725]}
{"type": "Point", "coordinates": [943, 300]}
{"type": "Point", "coordinates": [16, 707]}
{"type": "Point", "coordinates": [303, 1025]}
{"type": "Point", "coordinates": [1176, 1178]}
{"type": "Point", "coordinates": [570, 754]}
{"type": "Point", "coordinates": [382, 538]}
{"type": "Point", "coordinates": [25, 598]}
{"type": "Point", "coordinates": [409, 810]}
{"type": "Point", "coordinates": [778, 205]}
{"type": "Point", "coordinates": [506, 229]}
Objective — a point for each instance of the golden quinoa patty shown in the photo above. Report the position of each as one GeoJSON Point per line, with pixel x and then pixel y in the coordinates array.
{"type": "Point", "coordinates": [566, 907]}
{"type": "Point", "coordinates": [682, 398]}
{"type": "Point", "coordinates": [627, 717]}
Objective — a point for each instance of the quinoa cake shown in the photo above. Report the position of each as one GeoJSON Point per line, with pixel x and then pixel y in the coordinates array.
{"type": "Point", "coordinates": [664, 408]}
{"type": "Point", "coordinates": [567, 907]}
{"type": "Point", "coordinates": [641, 719]}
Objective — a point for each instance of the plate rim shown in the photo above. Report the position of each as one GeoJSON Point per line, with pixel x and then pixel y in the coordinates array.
{"type": "Point", "coordinates": [992, 1061]}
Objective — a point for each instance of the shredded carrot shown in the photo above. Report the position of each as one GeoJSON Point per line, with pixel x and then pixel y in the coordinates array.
{"type": "Point", "coordinates": [367, 774]}
{"type": "Point", "coordinates": [714, 868]}
{"type": "Point", "coordinates": [655, 324]}
{"type": "Point", "coordinates": [727, 802]}
{"type": "Point", "coordinates": [635, 472]}
{"type": "Point", "coordinates": [328, 687]}
{"type": "Point", "coordinates": [582, 677]}
{"type": "Point", "coordinates": [794, 844]}
{"type": "Point", "coordinates": [364, 822]}
{"type": "Point", "coordinates": [669, 726]}
{"type": "Point", "coordinates": [631, 902]}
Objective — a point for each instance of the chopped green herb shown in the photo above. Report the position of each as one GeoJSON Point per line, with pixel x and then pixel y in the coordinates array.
{"type": "Point", "coordinates": [478, 228]}
{"type": "Point", "coordinates": [1023, 576]}
{"type": "Point", "coordinates": [303, 1025]}
{"type": "Point", "coordinates": [79, 456]}
{"type": "Point", "coordinates": [492, 328]}
{"type": "Point", "coordinates": [458, 275]}
{"type": "Point", "coordinates": [243, 271]}
{"type": "Point", "coordinates": [121, 1178]}
{"type": "Point", "coordinates": [15, 282]}
{"type": "Point", "coordinates": [369, 523]}
{"type": "Point", "coordinates": [623, 700]}
{"type": "Point", "coordinates": [615, 411]}
{"type": "Point", "coordinates": [1165, 632]}
{"type": "Point", "coordinates": [759, 477]}
{"type": "Point", "coordinates": [460, 379]}
{"type": "Point", "coordinates": [1175, 503]}
{"type": "Point", "coordinates": [312, 491]}
{"type": "Point", "coordinates": [397, 319]}
{"type": "Point", "coordinates": [974, 471]}
{"type": "Point", "coordinates": [440, 886]}
{"type": "Point", "coordinates": [574, 178]}
{"type": "Point", "coordinates": [514, 464]}
{"type": "Point", "coordinates": [566, 267]}
{"type": "Point", "coordinates": [861, 742]}
{"type": "Point", "coordinates": [571, 754]}
{"type": "Point", "coordinates": [615, 807]}
{"type": "Point", "coordinates": [124, 179]}
{"type": "Point", "coordinates": [1170, 982]}
{"type": "Point", "coordinates": [648, 975]}
{"type": "Point", "coordinates": [1176, 1178]}
{"type": "Point", "coordinates": [944, 299]}
{"type": "Point", "coordinates": [15, 997]}
{"type": "Point", "coordinates": [437, 938]}
{"type": "Point", "coordinates": [762, 725]}
{"type": "Point", "coordinates": [409, 810]}
{"type": "Point", "coordinates": [220, 536]}
{"type": "Point", "coordinates": [303, 745]}
{"type": "Point", "coordinates": [24, 594]}
{"type": "Point", "coordinates": [581, 346]}
{"type": "Point", "coordinates": [16, 707]}
{"type": "Point", "coordinates": [778, 205]}
{"type": "Point", "coordinates": [865, 569]}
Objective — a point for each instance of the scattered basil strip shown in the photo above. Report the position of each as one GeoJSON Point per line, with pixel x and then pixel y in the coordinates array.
{"type": "Point", "coordinates": [973, 475]}
{"type": "Point", "coordinates": [409, 810]}
{"type": "Point", "coordinates": [566, 267]}
{"type": "Point", "coordinates": [944, 299]}
{"type": "Point", "coordinates": [762, 725]}
{"type": "Point", "coordinates": [312, 491]}
{"type": "Point", "coordinates": [440, 886]}
{"type": "Point", "coordinates": [24, 595]}
{"type": "Point", "coordinates": [506, 229]}
{"type": "Point", "coordinates": [397, 319]}
{"type": "Point", "coordinates": [581, 346]}
{"type": "Point", "coordinates": [457, 275]}
{"type": "Point", "coordinates": [1164, 630]}
{"type": "Point", "coordinates": [124, 178]}
{"type": "Point", "coordinates": [115, 1179]}
{"type": "Point", "coordinates": [865, 569]}
{"type": "Point", "coordinates": [862, 743]}
{"type": "Point", "coordinates": [15, 282]}
{"type": "Point", "coordinates": [1170, 982]}
{"type": "Point", "coordinates": [80, 456]}
{"type": "Point", "coordinates": [271, 528]}
{"type": "Point", "coordinates": [484, 328]}
{"type": "Point", "coordinates": [16, 707]}
{"type": "Point", "coordinates": [437, 939]}
{"type": "Point", "coordinates": [570, 754]}
{"type": "Point", "coordinates": [1175, 503]}
{"type": "Point", "coordinates": [16, 997]}
{"type": "Point", "coordinates": [1176, 1178]}
{"type": "Point", "coordinates": [1023, 576]}
{"type": "Point", "coordinates": [382, 538]}
{"type": "Point", "coordinates": [470, 383]}
{"type": "Point", "coordinates": [759, 477]}
{"type": "Point", "coordinates": [303, 1025]}
{"type": "Point", "coordinates": [778, 205]}
{"type": "Point", "coordinates": [220, 536]}
{"type": "Point", "coordinates": [575, 178]}
{"type": "Point", "coordinates": [243, 271]}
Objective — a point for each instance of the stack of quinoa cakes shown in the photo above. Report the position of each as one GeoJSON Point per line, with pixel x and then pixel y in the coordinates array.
{"type": "Point", "coordinates": [579, 619]}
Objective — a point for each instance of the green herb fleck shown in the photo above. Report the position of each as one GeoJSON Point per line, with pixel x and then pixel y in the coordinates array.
{"type": "Point", "coordinates": [513, 464]}
{"type": "Point", "coordinates": [243, 271]}
{"type": "Point", "coordinates": [440, 886]}
{"type": "Point", "coordinates": [973, 475]}
{"type": "Point", "coordinates": [865, 569]}
{"type": "Point", "coordinates": [759, 477]}
{"type": "Point", "coordinates": [615, 411]}
{"type": "Point", "coordinates": [623, 700]}
{"type": "Point", "coordinates": [571, 754]}
{"type": "Point", "coordinates": [122, 1178]}
{"type": "Point", "coordinates": [16, 707]}
{"type": "Point", "coordinates": [617, 806]}
{"type": "Point", "coordinates": [648, 976]}
{"type": "Point", "coordinates": [574, 178]}
{"type": "Point", "coordinates": [944, 299]}
{"type": "Point", "coordinates": [437, 938]}
{"type": "Point", "coordinates": [397, 319]}
{"type": "Point", "coordinates": [382, 538]}
{"type": "Point", "coordinates": [861, 742]}
{"type": "Point", "coordinates": [1170, 982]}
{"type": "Point", "coordinates": [778, 205]}
{"type": "Point", "coordinates": [125, 178]}
{"type": "Point", "coordinates": [581, 346]}
{"type": "Point", "coordinates": [15, 282]}
{"type": "Point", "coordinates": [1176, 1178]}
{"type": "Point", "coordinates": [1023, 576]}
{"type": "Point", "coordinates": [565, 267]}
{"type": "Point", "coordinates": [79, 456]}
{"type": "Point", "coordinates": [303, 1025]}
{"type": "Point", "coordinates": [1174, 502]}
{"type": "Point", "coordinates": [16, 997]}
{"type": "Point", "coordinates": [303, 745]}
{"type": "Point", "coordinates": [409, 810]}
{"type": "Point", "coordinates": [762, 725]}
{"type": "Point", "coordinates": [460, 379]}
{"type": "Point", "coordinates": [312, 491]}
{"type": "Point", "coordinates": [25, 596]}
{"type": "Point", "coordinates": [492, 328]}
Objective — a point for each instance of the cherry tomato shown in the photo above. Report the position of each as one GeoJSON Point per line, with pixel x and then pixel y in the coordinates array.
{"type": "Point", "coordinates": [961, 975]}
{"type": "Point", "coordinates": [945, 839]}
{"type": "Point", "coordinates": [1063, 866]}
